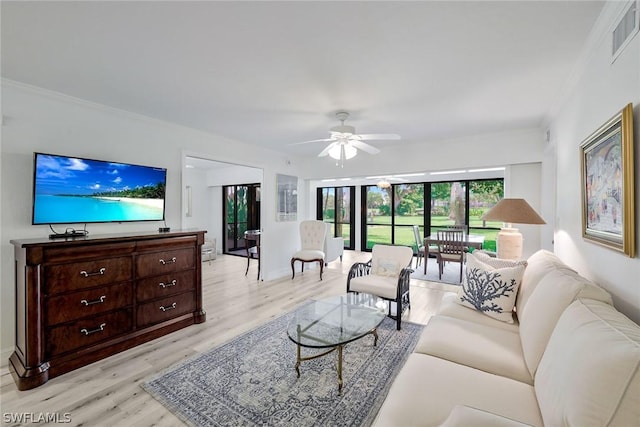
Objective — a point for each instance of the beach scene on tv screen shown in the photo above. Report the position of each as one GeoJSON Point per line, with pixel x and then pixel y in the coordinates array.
{"type": "Point", "coordinates": [71, 190]}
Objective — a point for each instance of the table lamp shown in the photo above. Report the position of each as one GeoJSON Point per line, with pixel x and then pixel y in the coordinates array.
{"type": "Point", "coordinates": [509, 211]}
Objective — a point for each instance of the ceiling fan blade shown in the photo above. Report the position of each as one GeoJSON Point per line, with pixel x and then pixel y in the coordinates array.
{"type": "Point", "coordinates": [314, 140]}
{"type": "Point", "coordinates": [325, 152]}
{"type": "Point", "coordinates": [364, 146]}
{"type": "Point", "coordinates": [379, 136]}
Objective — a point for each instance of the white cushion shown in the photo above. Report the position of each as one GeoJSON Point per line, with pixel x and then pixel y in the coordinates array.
{"type": "Point", "coordinates": [494, 262]}
{"type": "Point", "coordinates": [490, 290]}
{"type": "Point", "coordinates": [388, 267]}
{"type": "Point", "coordinates": [428, 388]}
{"type": "Point", "coordinates": [402, 255]}
{"type": "Point", "coordinates": [538, 264]}
{"type": "Point", "coordinates": [465, 416]}
{"type": "Point", "coordinates": [450, 307]}
{"type": "Point", "coordinates": [308, 255]}
{"type": "Point", "coordinates": [382, 286]}
{"type": "Point", "coordinates": [483, 347]}
{"type": "Point", "coordinates": [553, 294]}
{"type": "Point", "coordinates": [590, 372]}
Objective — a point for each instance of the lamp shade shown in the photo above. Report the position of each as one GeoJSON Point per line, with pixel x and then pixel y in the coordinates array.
{"type": "Point", "coordinates": [515, 211]}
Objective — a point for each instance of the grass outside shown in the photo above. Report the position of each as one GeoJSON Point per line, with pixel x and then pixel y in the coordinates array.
{"type": "Point", "coordinates": [379, 230]}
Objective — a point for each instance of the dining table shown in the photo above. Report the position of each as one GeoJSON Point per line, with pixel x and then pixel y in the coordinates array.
{"type": "Point", "coordinates": [470, 241]}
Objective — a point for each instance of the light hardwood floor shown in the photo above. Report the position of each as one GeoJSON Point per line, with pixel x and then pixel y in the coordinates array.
{"type": "Point", "coordinates": [108, 392]}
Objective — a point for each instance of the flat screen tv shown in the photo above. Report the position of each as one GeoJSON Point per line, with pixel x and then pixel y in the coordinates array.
{"type": "Point", "coordinates": [74, 190]}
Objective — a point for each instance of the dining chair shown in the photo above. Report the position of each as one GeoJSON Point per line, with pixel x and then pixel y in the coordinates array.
{"type": "Point", "coordinates": [451, 248]}
{"type": "Point", "coordinates": [253, 250]}
{"type": "Point", "coordinates": [419, 246]}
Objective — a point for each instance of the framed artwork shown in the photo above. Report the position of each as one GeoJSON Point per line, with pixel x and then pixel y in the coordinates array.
{"type": "Point", "coordinates": [287, 197]}
{"type": "Point", "coordinates": [608, 213]}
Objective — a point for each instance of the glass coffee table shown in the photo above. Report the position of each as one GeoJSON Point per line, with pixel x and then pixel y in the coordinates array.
{"type": "Point", "coordinates": [333, 322]}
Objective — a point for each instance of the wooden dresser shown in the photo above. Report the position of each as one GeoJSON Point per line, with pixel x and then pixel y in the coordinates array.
{"type": "Point", "coordinates": [80, 300]}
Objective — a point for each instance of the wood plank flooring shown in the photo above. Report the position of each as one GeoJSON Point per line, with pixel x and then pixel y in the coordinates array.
{"type": "Point", "coordinates": [108, 392]}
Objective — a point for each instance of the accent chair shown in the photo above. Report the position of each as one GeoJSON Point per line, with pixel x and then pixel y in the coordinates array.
{"type": "Point", "coordinates": [312, 240]}
{"type": "Point", "coordinates": [333, 246]}
{"type": "Point", "coordinates": [386, 275]}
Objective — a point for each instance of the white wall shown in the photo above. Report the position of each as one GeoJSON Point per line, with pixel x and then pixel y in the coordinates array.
{"type": "Point", "coordinates": [600, 90]}
{"type": "Point", "coordinates": [38, 120]}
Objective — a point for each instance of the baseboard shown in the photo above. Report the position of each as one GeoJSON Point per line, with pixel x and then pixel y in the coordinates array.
{"type": "Point", "coordinates": [5, 353]}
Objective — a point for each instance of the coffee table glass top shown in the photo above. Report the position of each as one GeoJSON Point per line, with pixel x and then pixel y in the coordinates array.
{"type": "Point", "coordinates": [336, 320]}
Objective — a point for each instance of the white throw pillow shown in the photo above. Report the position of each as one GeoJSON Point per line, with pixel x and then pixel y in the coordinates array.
{"type": "Point", "coordinates": [388, 267]}
{"type": "Point", "coordinates": [490, 290]}
{"type": "Point", "coordinates": [494, 262]}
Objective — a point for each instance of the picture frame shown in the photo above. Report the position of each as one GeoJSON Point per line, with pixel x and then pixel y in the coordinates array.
{"type": "Point", "coordinates": [608, 205]}
{"type": "Point", "coordinates": [287, 186]}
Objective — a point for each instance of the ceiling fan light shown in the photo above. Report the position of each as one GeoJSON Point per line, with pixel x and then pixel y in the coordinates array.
{"type": "Point", "coordinates": [334, 152]}
{"type": "Point", "coordinates": [350, 151]}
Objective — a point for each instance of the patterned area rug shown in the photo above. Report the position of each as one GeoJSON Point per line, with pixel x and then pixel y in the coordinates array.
{"type": "Point", "coordinates": [450, 274]}
{"type": "Point", "coordinates": [251, 380]}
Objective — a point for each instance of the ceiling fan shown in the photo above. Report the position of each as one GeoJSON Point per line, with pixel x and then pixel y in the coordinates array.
{"type": "Point", "coordinates": [344, 142]}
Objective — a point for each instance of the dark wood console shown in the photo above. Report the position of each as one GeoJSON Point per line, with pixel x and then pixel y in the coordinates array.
{"type": "Point", "coordinates": [83, 299]}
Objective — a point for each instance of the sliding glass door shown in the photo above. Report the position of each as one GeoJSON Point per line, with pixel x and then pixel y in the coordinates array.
{"type": "Point", "coordinates": [389, 214]}
{"type": "Point", "coordinates": [335, 206]}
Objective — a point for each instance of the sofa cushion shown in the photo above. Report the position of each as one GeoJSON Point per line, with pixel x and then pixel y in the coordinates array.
{"type": "Point", "coordinates": [450, 307]}
{"type": "Point", "coordinates": [553, 294]}
{"type": "Point", "coordinates": [465, 416]}
{"type": "Point", "coordinates": [490, 290]}
{"type": "Point", "coordinates": [428, 388]}
{"type": "Point", "coordinates": [382, 286]}
{"type": "Point", "coordinates": [538, 264]}
{"type": "Point", "coordinates": [590, 372]}
{"type": "Point", "coordinates": [479, 346]}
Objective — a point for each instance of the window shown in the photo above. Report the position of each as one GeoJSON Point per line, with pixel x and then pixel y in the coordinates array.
{"type": "Point", "coordinates": [391, 213]}
{"type": "Point", "coordinates": [335, 206]}
{"type": "Point", "coordinates": [388, 214]}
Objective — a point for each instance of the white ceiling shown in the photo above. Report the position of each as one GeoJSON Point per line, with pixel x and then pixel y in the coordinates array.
{"type": "Point", "coordinates": [275, 73]}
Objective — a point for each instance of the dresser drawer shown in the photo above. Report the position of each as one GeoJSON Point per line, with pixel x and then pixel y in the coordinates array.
{"type": "Point", "coordinates": [165, 309]}
{"type": "Point", "coordinates": [84, 332]}
{"type": "Point", "coordinates": [67, 307]}
{"type": "Point", "coordinates": [166, 284]}
{"type": "Point", "coordinates": [156, 263]}
{"type": "Point", "coordinates": [81, 275]}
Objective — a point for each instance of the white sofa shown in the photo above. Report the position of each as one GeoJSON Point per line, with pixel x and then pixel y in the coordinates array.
{"type": "Point", "coordinates": [569, 359]}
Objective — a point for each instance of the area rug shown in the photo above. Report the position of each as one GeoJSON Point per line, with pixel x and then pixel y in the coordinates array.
{"type": "Point", "coordinates": [251, 380]}
{"type": "Point", "coordinates": [450, 275]}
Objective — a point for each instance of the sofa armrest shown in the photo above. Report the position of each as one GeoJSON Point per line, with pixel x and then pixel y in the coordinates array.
{"type": "Point", "coordinates": [464, 416]}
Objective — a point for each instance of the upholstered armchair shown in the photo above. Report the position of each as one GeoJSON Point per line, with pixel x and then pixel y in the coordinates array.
{"type": "Point", "coordinates": [312, 238]}
{"type": "Point", "coordinates": [333, 247]}
{"type": "Point", "coordinates": [386, 275]}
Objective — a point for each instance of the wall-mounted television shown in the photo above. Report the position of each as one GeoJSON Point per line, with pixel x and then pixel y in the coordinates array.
{"type": "Point", "coordinates": [74, 190]}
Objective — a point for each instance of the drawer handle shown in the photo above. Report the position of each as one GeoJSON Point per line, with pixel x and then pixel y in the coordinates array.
{"type": "Point", "coordinates": [171, 307]}
{"type": "Point", "coordinates": [171, 261]}
{"type": "Point", "coordinates": [167, 285]}
{"type": "Point", "coordinates": [97, 273]}
{"type": "Point", "coordinates": [97, 301]}
{"type": "Point", "coordinates": [93, 331]}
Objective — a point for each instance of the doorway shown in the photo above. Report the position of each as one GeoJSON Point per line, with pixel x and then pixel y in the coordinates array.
{"type": "Point", "coordinates": [241, 213]}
